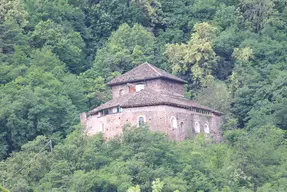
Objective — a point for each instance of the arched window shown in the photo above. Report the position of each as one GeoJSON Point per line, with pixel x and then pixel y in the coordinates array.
{"type": "Point", "coordinates": [121, 92]}
{"type": "Point", "coordinates": [173, 122]}
{"type": "Point", "coordinates": [141, 120]}
{"type": "Point", "coordinates": [206, 128]}
{"type": "Point", "coordinates": [196, 127]}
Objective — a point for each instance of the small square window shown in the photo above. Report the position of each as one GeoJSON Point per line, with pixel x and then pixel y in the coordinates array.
{"type": "Point", "coordinates": [115, 110]}
{"type": "Point", "coordinates": [139, 87]}
{"type": "Point", "coordinates": [106, 111]}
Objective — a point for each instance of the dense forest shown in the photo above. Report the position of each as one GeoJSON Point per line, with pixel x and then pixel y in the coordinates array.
{"type": "Point", "coordinates": [57, 55]}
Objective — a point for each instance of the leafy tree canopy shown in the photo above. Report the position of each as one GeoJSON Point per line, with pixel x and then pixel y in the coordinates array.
{"type": "Point", "coordinates": [57, 55]}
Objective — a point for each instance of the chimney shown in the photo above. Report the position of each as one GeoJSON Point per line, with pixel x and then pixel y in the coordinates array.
{"type": "Point", "coordinates": [132, 88]}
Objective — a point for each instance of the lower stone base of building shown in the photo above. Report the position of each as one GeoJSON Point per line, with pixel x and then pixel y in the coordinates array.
{"type": "Point", "coordinates": [178, 123]}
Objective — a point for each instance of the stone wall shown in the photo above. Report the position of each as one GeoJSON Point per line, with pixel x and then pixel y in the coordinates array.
{"type": "Point", "coordinates": [165, 85]}
{"type": "Point", "coordinates": [116, 89]}
{"type": "Point", "coordinates": [215, 124]}
{"type": "Point", "coordinates": [158, 118]}
{"type": "Point", "coordinates": [171, 87]}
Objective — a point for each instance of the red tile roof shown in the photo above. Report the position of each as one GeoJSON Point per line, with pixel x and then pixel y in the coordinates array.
{"type": "Point", "coordinates": [142, 72]}
{"type": "Point", "coordinates": [149, 97]}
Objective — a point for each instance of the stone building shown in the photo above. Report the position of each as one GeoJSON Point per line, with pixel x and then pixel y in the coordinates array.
{"type": "Point", "coordinates": [149, 95]}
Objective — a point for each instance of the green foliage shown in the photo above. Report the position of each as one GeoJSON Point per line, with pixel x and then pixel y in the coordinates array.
{"type": "Point", "coordinates": [11, 35]}
{"type": "Point", "coordinates": [134, 189]}
{"type": "Point", "coordinates": [226, 16]}
{"type": "Point", "coordinates": [127, 47]}
{"type": "Point", "coordinates": [216, 96]}
{"type": "Point", "coordinates": [151, 9]}
{"type": "Point", "coordinates": [67, 44]}
{"type": "Point", "coordinates": [256, 87]}
{"type": "Point", "coordinates": [3, 189]}
{"type": "Point", "coordinates": [258, 156]}
{"type": "Point", "coordinates": [255, 159]}
{"type": "Point", "coordinates": [43, 100]}
{"type": "Point", "coordinates": [157, 185]}
{"type": "Point", "coordinates": [257, 12]}
{"type": "Point", "coordinates": [57, 55]}
{"type": "Point", "coordinates": [197, 57]}
{"type": "Point", "coordinates": [13, 10]}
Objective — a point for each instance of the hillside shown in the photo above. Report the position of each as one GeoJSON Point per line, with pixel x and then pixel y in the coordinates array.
{"type": "Point", "coordinates": [56, 57]}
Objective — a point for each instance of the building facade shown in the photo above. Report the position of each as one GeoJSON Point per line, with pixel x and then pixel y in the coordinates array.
{"type": "Point", "coordinates": [149, 95]}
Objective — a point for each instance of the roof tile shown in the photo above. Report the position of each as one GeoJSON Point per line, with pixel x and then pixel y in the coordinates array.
{"type": "Point", "coordinates": [144, 71]}
{"type": "Point", "coordinates": [149, 97]}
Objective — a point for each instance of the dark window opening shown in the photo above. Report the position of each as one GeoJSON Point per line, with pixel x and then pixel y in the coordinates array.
{"type": "Point", "coordinates": [121, 92]}
{"type": "Point", "coordinates": [106, 111]}
{"type": "Point", "coordinates": [181, 125]}
{"type": "Point", "coordinates": [141, 121]}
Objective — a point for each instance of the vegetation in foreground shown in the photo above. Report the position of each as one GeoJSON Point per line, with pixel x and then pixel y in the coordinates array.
{"type": "Point", "coordinates": [57, 55]}
{"type": "Point", "coordinates": [245, 161]}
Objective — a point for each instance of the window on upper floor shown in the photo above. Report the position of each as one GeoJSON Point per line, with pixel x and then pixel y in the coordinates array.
{"type": "Point", "coordinates": [139, 87]}
{"type": "Point", "coordinates": [141, 121]}
{"type": "Point", "coordinates": [121, 92]}
{"type": "Point", "coordinates": [105, 111]}
{"type": "Point", "coordinates": [173, 122]}
{"type": "Point", "coordinates": [206, 128]}
{"type": "Point", "coordinates": [115, 110]}
{"type": "Point", "coordinates": [196, 127]}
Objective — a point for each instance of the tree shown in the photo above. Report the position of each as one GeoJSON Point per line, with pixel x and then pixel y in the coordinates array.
{"type": "Point", "coordinates": [227, 16]}
{"type": "Point", "coordinates": [127, 47]}
{"type": "Point", "coordinates": [11, 34]}
{"type": "Point", "coordinates": [57, 55]}
{"type": "Point", "coordinates": [257, 12]}
{"type": "Point", "coordinates": [104, 17]}
{"type": "Point", "coordinates": [256, 157]}
{"type": "Point", "coordinates": [64, 42]}
{"type": "Point", "coordinates": [3, 189]}
{"type": "Point", "coordinates": [255, 86]}
{"type": "Point", "coordinates": [152, 9]}
{"type": "Point", "coordinates": [134, 189]}
{"type": "Point", "coordinates": [196, 57]}
{"type": "Point", "coordinates": [216, 96]}
{"type": "Point", "coordinates": [96, 90]}
{"type": "Point", "coordinates": [61, 12]}
{"type": "Point", "coordinates": [157, 185]}
{"type": "Point", "coordinates": [35, 102]}
{"type": "Point", "coordinates": [13, 11]}
{"type": "Point", "coordinates": [204, 10]}
{"type": "Point", "coordinates": [12, 40]}
{"type": "Point", "coordinates": [27, 166]}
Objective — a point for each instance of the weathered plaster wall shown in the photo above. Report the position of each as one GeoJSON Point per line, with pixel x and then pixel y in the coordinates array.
{"type": "Point", "coordinates": [165, 85]}
{"type": "Point", "coordinates": [117, 88]}
{"type": "Point", "coordinates": [215, 125]}
{"type": "Point", "coordinates": [156, 84]}
{"type": "Point", "coordinates": [158, 118]}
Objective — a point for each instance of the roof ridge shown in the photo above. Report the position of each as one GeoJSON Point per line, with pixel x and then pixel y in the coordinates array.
{"type": "Point", "coordinates": [154, 69]}
{"type": "Point", "coordinates": [144, 71]}
{"type": "Point", "coordinates": [150, 97]}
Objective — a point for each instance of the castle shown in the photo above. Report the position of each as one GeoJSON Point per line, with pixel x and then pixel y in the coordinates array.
{"type": "Point", "coordinates": [149, 95]}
